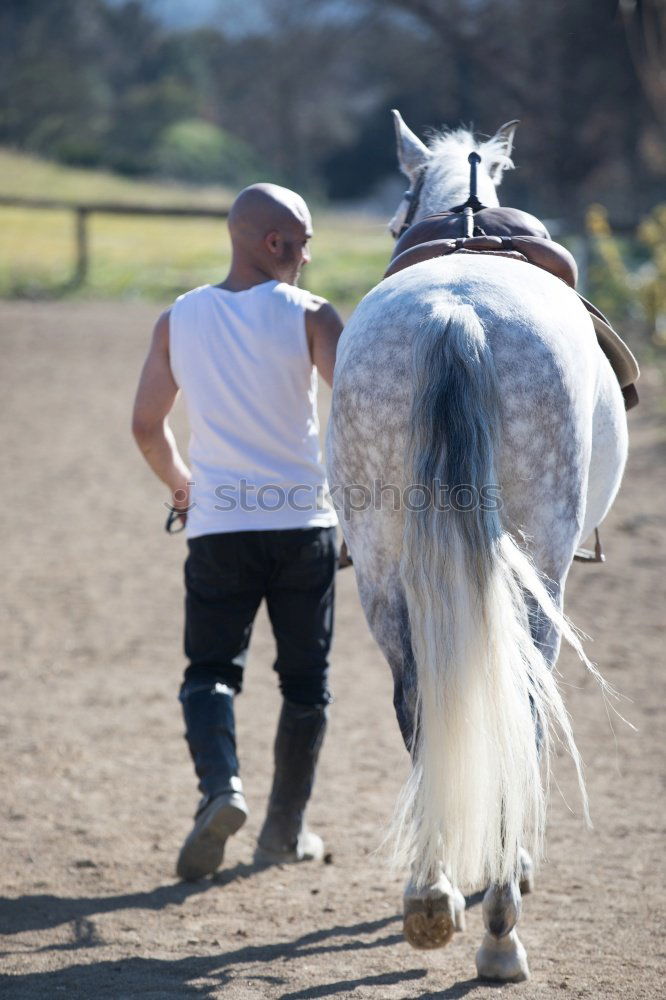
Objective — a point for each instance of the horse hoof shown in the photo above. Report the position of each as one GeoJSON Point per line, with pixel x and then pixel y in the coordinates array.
{"type": "Point", "coordinates": [429, 927]}
{"type": "Point", "coordinates": [431, 915]}
{"type": "Point", "coordinates": [526, 883]}
{"type": "Point", "coordinates": [502, 959]}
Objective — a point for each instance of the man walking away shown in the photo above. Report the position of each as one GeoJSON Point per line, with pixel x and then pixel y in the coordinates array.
{"type": "Point", "coordinates": [259, 524]}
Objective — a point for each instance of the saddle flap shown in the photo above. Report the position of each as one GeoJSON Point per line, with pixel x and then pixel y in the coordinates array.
{"type": "Point", "coordinates": [620, 356]}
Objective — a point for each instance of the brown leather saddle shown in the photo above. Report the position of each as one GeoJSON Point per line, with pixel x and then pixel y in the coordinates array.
{"type": "Point", "coordinates": [508, 232]}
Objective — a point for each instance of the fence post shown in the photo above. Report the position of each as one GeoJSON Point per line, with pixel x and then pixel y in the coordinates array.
{"type": "Point", "coordinates": [81, 271]}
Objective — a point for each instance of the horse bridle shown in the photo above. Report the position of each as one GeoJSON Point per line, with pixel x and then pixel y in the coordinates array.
{"type": "Point", "coordinates": [413, 196]}
{"type": "Point", "coordinates": [467, 209]}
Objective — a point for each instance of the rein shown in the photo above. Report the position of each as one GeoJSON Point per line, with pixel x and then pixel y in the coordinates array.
{"type": "Point", "coordinates": [174, 522]}
{"type": "Point", "coordinates": [413, 196]}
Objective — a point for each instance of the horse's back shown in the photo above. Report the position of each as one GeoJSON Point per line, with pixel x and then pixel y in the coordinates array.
{"type": "Point", "coordinates": [521, 308]}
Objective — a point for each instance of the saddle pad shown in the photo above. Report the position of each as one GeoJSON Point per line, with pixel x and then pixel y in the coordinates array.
{"type": "Point", "coordinates": [498, 221]}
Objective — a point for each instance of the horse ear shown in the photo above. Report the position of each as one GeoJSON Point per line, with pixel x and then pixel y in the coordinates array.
{"type": "Point", "coordinates": [412, 154]}
{"type": "Point", "coordinates": [505, 134]}
{"type": "Point", "coordinates": [502, 144]}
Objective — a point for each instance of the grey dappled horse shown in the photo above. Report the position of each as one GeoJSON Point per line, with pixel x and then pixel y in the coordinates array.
{"type": "Point", "coordinates": [477, 436]}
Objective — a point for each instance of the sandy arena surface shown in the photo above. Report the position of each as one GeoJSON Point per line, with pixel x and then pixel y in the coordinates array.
{"type": "Point", "coordinates": [97, 790]}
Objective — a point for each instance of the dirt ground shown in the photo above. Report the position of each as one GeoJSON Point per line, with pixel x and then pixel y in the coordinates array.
{"type": "Point", "coordinates": [97, 790]}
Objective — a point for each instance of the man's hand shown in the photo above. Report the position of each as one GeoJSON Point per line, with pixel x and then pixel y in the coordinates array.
{"type": "Point", "coordinates": [155, 397]}
{"type": "Point", "coordinates": [323, 327]}
{"type": "Point", "coordinates": [179, 504]}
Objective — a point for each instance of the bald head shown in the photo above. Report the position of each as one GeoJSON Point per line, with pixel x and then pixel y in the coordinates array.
{"type": "Point", "coordinates": [270, 227]}
{"type": "Point", "coordinates": [263, 208]}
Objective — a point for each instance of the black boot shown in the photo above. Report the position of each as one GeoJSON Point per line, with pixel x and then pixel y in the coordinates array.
{"type": "Point", "coordinates": [284, 836]}
{"type": "Point", "coordinates": [211, 736]}
{"type": "Point", "coordinates": [210, 731]}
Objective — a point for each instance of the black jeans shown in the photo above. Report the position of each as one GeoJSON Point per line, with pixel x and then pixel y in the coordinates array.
{"type": "Point", "coordinates": [228, 575]}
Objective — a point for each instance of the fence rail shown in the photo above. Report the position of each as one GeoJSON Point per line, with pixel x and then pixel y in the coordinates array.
{"type": "Point", "coordinates": [83, 210]}
{"type": "Point", "coordinates": [579, 243]}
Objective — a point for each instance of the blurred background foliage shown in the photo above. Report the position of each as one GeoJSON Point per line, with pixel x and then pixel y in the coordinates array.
{"type": "Point", "coordinates": [627, 277]}
{"type": "Point", "coordinates": [300, 89]}
{"type": "Point", "coordinates": [126, 99]}
{"type": "Point", "coordinates": [200, 152]}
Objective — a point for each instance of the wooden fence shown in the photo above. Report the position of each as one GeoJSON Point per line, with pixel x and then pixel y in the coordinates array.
{"type": "Point", "coordinates": [83, 211]}
{"type": "Point", "coordinates": [579, 244]}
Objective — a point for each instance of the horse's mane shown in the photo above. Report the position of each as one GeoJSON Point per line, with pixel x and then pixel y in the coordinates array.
{"type": "Point", "coordinates": [457, 144]}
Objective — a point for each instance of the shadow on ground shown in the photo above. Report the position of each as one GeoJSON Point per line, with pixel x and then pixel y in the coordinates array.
{"type": "Point", "coordinates": [182, 977]}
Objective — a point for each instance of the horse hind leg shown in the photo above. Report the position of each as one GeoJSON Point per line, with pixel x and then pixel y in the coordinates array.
{"type": "Point", "coordinates": [502, 956]}
{"type": "Point", "coordinates": [433, 913]}
{"type": "Point", "coordinates": [526, 879]}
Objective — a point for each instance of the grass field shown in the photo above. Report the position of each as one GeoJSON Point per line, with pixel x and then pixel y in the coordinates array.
{"type": "Point", "coordinates": [152, 257]}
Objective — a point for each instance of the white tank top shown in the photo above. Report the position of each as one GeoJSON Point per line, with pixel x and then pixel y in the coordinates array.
{"type": "Point", "coordinates": [242, 362]}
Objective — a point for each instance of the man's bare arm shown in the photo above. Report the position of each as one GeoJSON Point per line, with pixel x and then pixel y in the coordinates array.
{"type": "Point", "coordinates": [155, 397]}
{"type": "Point", "coordinates": [323, 326]}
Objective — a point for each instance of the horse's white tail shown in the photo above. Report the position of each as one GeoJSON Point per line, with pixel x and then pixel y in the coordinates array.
{"type": "Point", "coordinates": [476, 792]}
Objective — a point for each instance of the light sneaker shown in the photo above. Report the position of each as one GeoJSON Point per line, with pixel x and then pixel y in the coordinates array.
{"type": "Point", "coordinates": [215, 821]}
